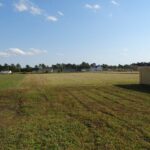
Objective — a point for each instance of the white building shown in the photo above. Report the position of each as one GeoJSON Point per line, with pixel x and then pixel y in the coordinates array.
{"type": "Point", "coordinates": [6, 72]}
{"type": "Point", "coordinates": [96, 68]}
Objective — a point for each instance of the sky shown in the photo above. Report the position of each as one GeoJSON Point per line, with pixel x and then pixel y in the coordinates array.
{"type": "Point", "coordinates": [71, 31]}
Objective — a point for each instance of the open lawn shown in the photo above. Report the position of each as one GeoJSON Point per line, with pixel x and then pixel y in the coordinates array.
{"type": "Point", "coordinates": [74, 111]}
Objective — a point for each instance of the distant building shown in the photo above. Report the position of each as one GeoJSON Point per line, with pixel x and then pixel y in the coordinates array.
{"type": "Point", "coordinates": [46, 70]}
{"type": "Point", "coordinates": [6, 72]}
{"type": "Point", "coordinates": [96, 68]}
{"type": "Point", "coordinates": [84, 70]}
{"type": "Point", "coordinates": [144, 75]}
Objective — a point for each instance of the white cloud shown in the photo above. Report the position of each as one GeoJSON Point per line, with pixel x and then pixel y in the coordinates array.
{"type": "Point", "coordinates": [114, 2]}
{"type": "Point", "coordinates": [15, 51]}
{"type": "Point", "coordinates": [26, 5]}
{"type": "Point", "coordinates": [52, 18]}
{"type": "Point", "coordinates": [20, 52]}
{"type": "Point", "coordinates": [3, 54]}
{"type": "Point", "coordinates": [21, 6]}
{"type": "Point", "coordinates": [34, 51]}
{"type": "Point", "coordinates": [94, 7]}
{"type": "Point", "coordinates": [35, 10]}
{"type": "Point", "coordinates": [60, 13]}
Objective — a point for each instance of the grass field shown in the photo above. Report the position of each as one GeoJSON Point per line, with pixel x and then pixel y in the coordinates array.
{"type": "Point", "coordinates": [74, 111]}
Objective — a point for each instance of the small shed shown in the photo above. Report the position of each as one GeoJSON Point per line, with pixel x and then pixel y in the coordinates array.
{"type": "Point", "coordinates": [144, 75]}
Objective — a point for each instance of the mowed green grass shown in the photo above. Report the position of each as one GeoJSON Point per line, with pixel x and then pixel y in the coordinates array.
{"type": "Point", "coordinates": [74, 111]}
{"type": "Point", "coordinates": [10, 81]}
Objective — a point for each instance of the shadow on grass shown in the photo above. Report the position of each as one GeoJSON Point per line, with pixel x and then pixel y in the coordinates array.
{"type": "Point", "coordinates": [135, 87]}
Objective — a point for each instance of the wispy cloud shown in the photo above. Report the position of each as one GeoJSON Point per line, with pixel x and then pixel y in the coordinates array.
{"type": "Point", "coordinates": [26, 5]}
{"type": "Point", "coordinates": [60, 13]}
{"type": "Point", "coordinates": [52, 18]}
{"type": "Point", "coordinates": [93, 7]}
{"type": "Point", "coordinates": [3, 54]}
{"type": "Point", "coordinates": [21, 6]}
{"type": "Point", "coordinates": [35, 10]}
{"type": "Point", "coordinates": [114, 2]}
{"type": "Point", "coordinates": [20, 52]}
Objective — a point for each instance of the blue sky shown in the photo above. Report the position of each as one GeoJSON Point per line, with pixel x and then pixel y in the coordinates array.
{"type": "Point", "coordinates": [72, 31]}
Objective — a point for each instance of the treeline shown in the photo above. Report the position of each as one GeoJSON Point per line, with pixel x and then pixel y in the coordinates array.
{"type": "Point", "coordinates": [126, 67]}
{"type": "Point", "coordinates": [72, 67]}
{"type": "Point", "coordinates": [58, 67]}
{"type": "Point", "coordinates": [75, 67]}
